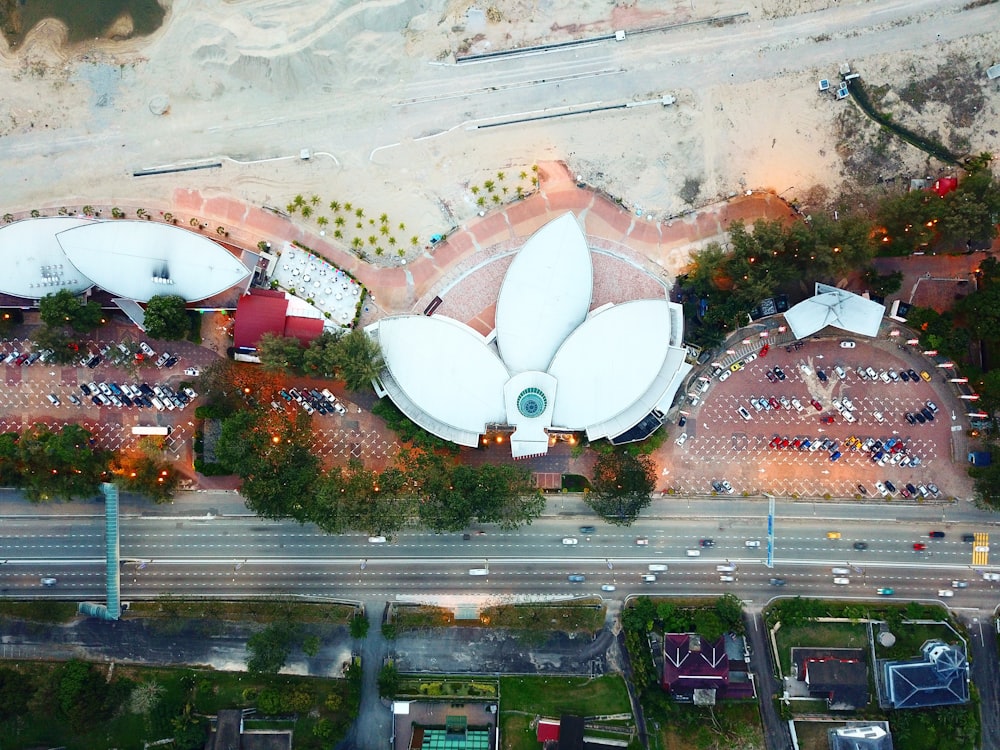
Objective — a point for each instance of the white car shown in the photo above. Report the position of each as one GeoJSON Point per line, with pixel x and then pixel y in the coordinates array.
{"type": "Point", "coordinates": [981, 548]}
{"type": "Point", "coordinates": [147, 349]}
{"type": "Point", "coordinates": [682, 438]}
{"type": "Point", "coordinates": [840, 571]}
{"type": "Point", "coordinates": [946, 593]}
{"type": "Point", "coordinates": [806, 369]}
{"type": "Point", "coordinates": [192, 371]}
{"type": "Point", "coordinates": [754, 543]}
{"type": "Point", "coordinates": [569, 540]}
{"type": "Point", "coordinates": [991, 576]}
{"type": "Point", "coordinates": [846, 344]}
{"type": "Point", "coordinates": [797, 404]}
{"type": "Point", "coordinates": [608, 587]}
{"type": "Point", "coordinates": [848, 404]}
{"type": "Point", "coordinates": [724, 376]}
{"type": "Point", "coordinates": [727, 487]}
{"type": "Point", "coordinates": [726, 579]}
{"type": "Point", "coordinates": [377, 540]}
{"type": "Point", "coordinates": [190, 393]}
{"type": "Point", "coordinates": [841, 581]}
{"type": "Point", "coordinates": [784, 402]}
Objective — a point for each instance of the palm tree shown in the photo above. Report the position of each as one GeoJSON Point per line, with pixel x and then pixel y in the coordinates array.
{"type": "Point", "coordinates": [306, 212]}
{"type": "Point", "coordinates": [414, 240]}
{"type": "Point", "coordinates": [372, 240]}
{"type": "Point", "coordinates": [88, 210]}
{"type": "Point", "coordinates": [496, 198]}
{"type": "Point", "coordinates": [348, 207]}
{"type": "Point", "coordinates": [523, 175]}
{"type": "Point", "coordinates": [35, 213]}
{"type": "Point", "coordinates": [520, 191]}
{"type": "Point", "coordinates": [383, 219]}
{"type": "Point", "coordinates": [291, 208]}
{"type": "Point", "coordinates": [334, 206]}
{"type": "Point", "coordinates": [357, 243]}
{"type": "Point", "coordinates": [474, 189]}
{"type": "Point", "coordinates": [298, 200]}
{"type": "Point", "coordinates": [392, 240]}
{"type": "Point", "coordinates": [314, 199]}
{"type": "Point", "coordinates": [8, 218]}
{"type": "Point", "coordinates": [379, 250]}
{"type": "Point", "coordinates": [501, 176]}
{"type": "Point", "coordinates": [339, 221]}
{"type": "Point", "coordinates": [338, 234]}
{"type": "Point", "coordinates": [194, 222]}
{"type": "Point", "coordinates": [358, 225]}
{"type": "Point", "coordinates": [384, 229]}
{"type": "Point", "coordinates": [401, 253]}
{"type": "Point", "coordinates": [359, 212]}
{"type": "Point", "coordinates": [489, 185]}
{"type": "Point", "coordinates": [322, 221]}
{"type": "Point", "coordinates": [481, 201]}
{"type": "Point", "coordinates": [402, 227]}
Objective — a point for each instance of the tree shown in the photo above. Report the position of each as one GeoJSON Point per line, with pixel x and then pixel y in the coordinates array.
{"type": "Point", "coordinates": [59, 465]}
{"type": "Point", "coordinates": [359, 626]}
{"type": "Point", "coordinates": [65, 309]}
{"type": "Point", "coordinates": [268, 649]}
{"type": "Point", "coordinates": [987, 482]}
{"type": "Point", "coordinates": [166, 317]}
{"type": "Point", "coordinates": [498, 493]}
{"type": "Point", "coordinates": [143, 469]}
{"type": "Point", "coordinates": [355, 498]}
{"type": "Point", "coordinates": [708, 625]}
{"type": "Point", "coordinates": [321, 355]}
{"type": "Point", "coordinates": [388, 680]}
{"type": "Point", "coordinates": [729, 609]}
{"type": "Point", "coordinates": [65, 347]}
{"type": "Point", "coordinates": [82, 694]}
{"type": "Point", "coordinates": [622, 486]}
{"type": "Point", "coordinates": [640, 615]}
{"type": "Point", "coordinates": [883, 286]}
{"type": "Point", "coordinates": [359, 358]}
{"type": "Point", "coordinates": [14, 691]}
{"type": "Point", "coordinates": [280, 353]}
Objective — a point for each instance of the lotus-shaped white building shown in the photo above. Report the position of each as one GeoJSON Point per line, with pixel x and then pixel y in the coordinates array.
{"type": "Point", "coordinates": [551, 365]}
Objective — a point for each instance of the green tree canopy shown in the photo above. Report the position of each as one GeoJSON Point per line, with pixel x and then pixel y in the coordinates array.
{"type": "Point", "coordinates": [622, 485]}
{"type": "Point", "coordinates": [322, 356]}
{"type": "Point", "coordinates": [268, 649]}
{"type": "Point", "coordinates": [64, 309]}
{"type": "Point", "coordinates": [60, 465]}
{"type": "Point", "coordinates": [359, 359]}
{"type": "Point", "coordinates": [354, 498]}
{"type": "Point", "coordinates": [166, 317]}
{"type": "Point", "coordinates": [280, 353]}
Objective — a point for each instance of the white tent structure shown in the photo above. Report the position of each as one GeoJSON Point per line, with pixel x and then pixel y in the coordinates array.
{"type": "Point", "coordinates": [834, 307]}
{"type": "Point", "coordinates": [554, 364]}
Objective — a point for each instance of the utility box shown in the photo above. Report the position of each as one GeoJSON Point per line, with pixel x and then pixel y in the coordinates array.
{"type": "Point", "coordinates": [620, 35]}
{"type": "Point", "coordinates": [305, 154]}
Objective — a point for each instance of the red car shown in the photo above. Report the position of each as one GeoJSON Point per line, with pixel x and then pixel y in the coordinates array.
{"type": "Point", "coordinates": [796, 443]}
{"type": "Point", "coordinates": [817, 404]}
{"type": "Point", "coordinates": [784, 443]}
{"type": "Point", "coordinates": [828, 419]}
{"type": "Point", "coordinates": [774, 403]}
{"type": "Point", "coordinates": [919, 546]}
{"type": "Point", "coordinates": [776, 441]}
{"type": "Point", "coordinates": [764, 350]}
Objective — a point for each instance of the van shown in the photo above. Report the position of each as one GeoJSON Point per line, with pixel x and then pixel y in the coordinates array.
{"type": "Point", "coordinates": [157, 403]}
{"type": "Point", "coordinates": [648, 578]}
{"type": "Point", "coordinates": [694, 553]}
{"type": "Point", "coordinates": [54, 400]}
{"type": "Point", "coordinates": [479, 571]}
{"type": "Point", "coordinates": [727, 568]}
{"type": "Point", "coordinates": [704, 386]}
{"type": "Point", "coordinates": [656, 568]}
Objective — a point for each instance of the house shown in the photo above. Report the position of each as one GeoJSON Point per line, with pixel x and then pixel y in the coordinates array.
{"type": "Point", "coordinates": [838, 676]}
{"type": "Point", "coordinates": [700, 671]}
{"type": "Point", "coordinates": [568, 734]}
{"type": "Point", "coordinates": [266, 311]}
{"type": "Point", "coordinates": [861, 735]}
{"type": "Point", "coordinates": [938, 677]}
{"type": "Point", "coordinates": [228, 734]}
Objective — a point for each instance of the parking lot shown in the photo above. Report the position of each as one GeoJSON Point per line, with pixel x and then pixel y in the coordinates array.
{"type": "Point", "coordinates": [723, 443]}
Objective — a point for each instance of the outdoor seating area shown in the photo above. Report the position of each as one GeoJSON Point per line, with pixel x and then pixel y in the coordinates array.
{"type": "Point", "coordinates": [332, 291]}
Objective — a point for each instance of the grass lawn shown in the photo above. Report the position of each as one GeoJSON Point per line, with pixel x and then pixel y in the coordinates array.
{"type": "Point", "coordinates": [812, 734]}
{"type": "Point", "coordinates": [251, 610]}
{"type": "Point", "coordinates": [523, 698]}
{"type": "Point", "coordinates": [581, 618]}
{"type": "Point", "coordinates": [39, 611]}
{"type": "Point", "coordinates": [728, 726]}
{"type": "Point", "coordinates": [909, 639]}
{"type": "Point", "coordinates": [818, 635]}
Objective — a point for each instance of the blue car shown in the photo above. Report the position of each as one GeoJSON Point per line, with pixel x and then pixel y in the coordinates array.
{"type": "Point", "coordinates": [835, 455]}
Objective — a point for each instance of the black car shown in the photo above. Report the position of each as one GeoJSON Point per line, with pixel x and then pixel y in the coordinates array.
{"type": "Point", "coordinates": [877, 447]}
{"type": "Point", "coordinates": [911, 488]}
{"type": "Point", "coordinates": [928, 414]}
{"type": "Point", "coordinates": [862, 489]}
{"type": "Point", "coordinates": [904, 376]}
{"type": "Point", "coordinates": [920, 418]}
{"type": "Point", "coordinates": [861, 545]}
{"type": "Point", "coordinates": [968, 538]}
{"type": "Point", "coordinates": [126, 400]}
{"type": "Point", "coordinates": [889, 486]}
{"type": "Point", "coordinates": [910, 418]}
{"type": "Point", "coordinates": [777, 581]}
{"type": "Point", "coordinates": [85, 389]}
{"type": "Point", "coordinates": [780, 373]}
{"type": "Point", "coordinates": [146, 390]}
{"type": "Point", "coordinates": [682, 421]}
{"type": "Point", "coordinates": [147, 401]}
{"type": "Point", "coordinates": [717, 485]}
{"type": "Point", "coordinates": [94, 361]}
{"type": "Point", "coordinates": [171, 361]}
{"type": "Point", "coordinates": [707, 543]}
{"type": "Point", "coordinates": [821, 375]}
{"type": "Point", "coordinates": [96, 400]}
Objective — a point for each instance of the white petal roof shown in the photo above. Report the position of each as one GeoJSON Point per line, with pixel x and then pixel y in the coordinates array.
{"type": "Point", "coordinates": [446, 369]}
{"type": "Point", "coordinates": [834, 307]}
{"type": "Point", "coordinates": [609, 363]}
{"type": "Point", "coordinates": [545, 295]}
{"type": "Point", "coordinates": [34, 263]}
{"type": "Point", "coordinates": [130, 258]}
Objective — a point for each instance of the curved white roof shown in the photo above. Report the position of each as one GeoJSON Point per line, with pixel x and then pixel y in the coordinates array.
{"type": "Point", "coordinates": [545, 295]}
{"type": "Point", "coordinates": [610, 361]}
{"type": "Point", "coordinates": [445, 369]}
{"type": "Point", "coordinates": [143, 259]}
{"type": "Point", "coordinates": [34, 263]}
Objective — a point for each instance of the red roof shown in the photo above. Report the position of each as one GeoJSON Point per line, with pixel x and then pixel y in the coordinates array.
{"type": "Point", "coordinates": [945, 185]}
{"type": "Point", "coordinates": [548, 730]}
{"type": "Point", "coordinates": [263, 311]}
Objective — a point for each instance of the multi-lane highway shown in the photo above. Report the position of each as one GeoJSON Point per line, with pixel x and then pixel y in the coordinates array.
{"type": "Point", "coordinates": [239, 555]}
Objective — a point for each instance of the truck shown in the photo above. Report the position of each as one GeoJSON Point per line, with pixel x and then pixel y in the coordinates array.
{"type": "Point", "coordinates": [151, 430]}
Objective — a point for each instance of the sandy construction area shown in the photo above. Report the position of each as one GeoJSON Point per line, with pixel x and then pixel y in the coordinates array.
{"type": "Point", "coordinates": [394, 125]}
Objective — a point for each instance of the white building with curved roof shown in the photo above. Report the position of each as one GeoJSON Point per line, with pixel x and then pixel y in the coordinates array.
{"type": "Point", "coordinates": [134, 260]}
{"type": "Point", "coordinates": [554, 364]}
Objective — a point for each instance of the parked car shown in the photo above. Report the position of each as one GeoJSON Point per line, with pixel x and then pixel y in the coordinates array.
{"type": "Point", "coordinates": [816, 404]}
{"type": "Point", "coordinates": [821, 375]}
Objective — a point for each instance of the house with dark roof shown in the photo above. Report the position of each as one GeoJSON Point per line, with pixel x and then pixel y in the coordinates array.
{"type": "Point", "coordinates": [228, 733]}
{"type": "Point", "coordinates": [938, 677]}
{"type": "Point", "coordinates": [837, 675]}
{"type": "Point", "coordinates": [861, 735]}
{"type": "Point", "coordinates": [700, 671]}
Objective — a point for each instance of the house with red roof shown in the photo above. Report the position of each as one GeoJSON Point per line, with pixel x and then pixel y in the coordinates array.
{"type": "Point", "coordinates": [270, 311]}
{"type": "Point", "coordinates": [699, 671]}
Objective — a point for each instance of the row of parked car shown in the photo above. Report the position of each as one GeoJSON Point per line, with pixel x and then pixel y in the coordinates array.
{"type": "Point", "coordinates": [922, 414]}
{"type": "Point", "coordinates": [312, 401]}
{"type": "Point", "coordinates": [159, 397]}
{"type": "Point", "coordinates": [887, 489]}
{"type": "Point", "coordinates": [891, 376]}
{"type": "Point", "coordinates": [26, 359]}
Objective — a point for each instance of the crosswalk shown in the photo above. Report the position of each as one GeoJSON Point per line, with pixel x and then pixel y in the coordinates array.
{"type": "Point", "coordinates": [981, 549]}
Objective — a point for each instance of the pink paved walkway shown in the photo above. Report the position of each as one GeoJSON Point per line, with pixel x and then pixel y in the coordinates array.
{"type": "Point", "coordinates": [402, 289]}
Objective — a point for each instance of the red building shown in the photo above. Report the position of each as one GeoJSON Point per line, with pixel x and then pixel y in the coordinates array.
{"type": "Point", "coordinates": [266, 311]}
